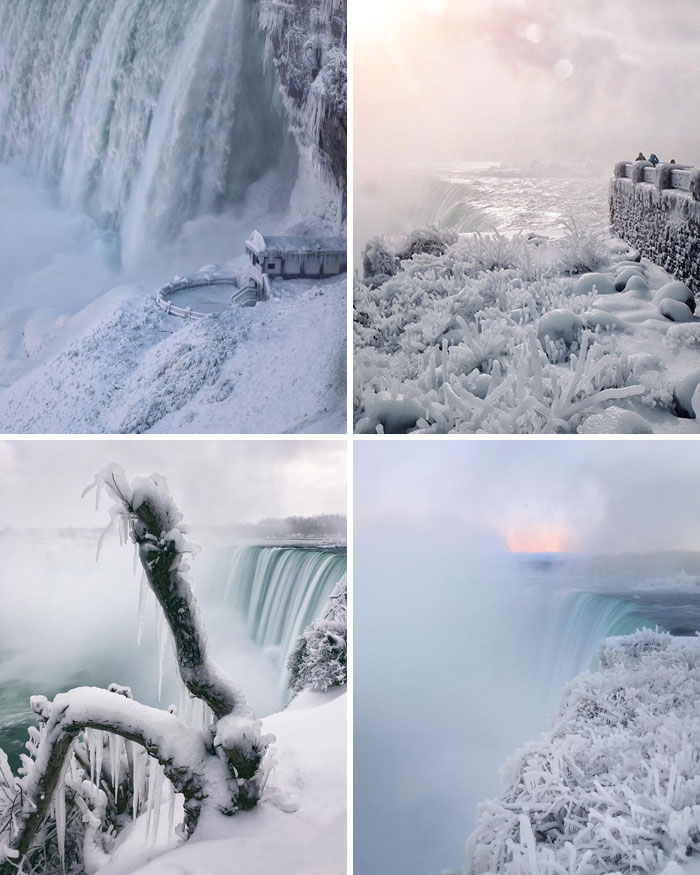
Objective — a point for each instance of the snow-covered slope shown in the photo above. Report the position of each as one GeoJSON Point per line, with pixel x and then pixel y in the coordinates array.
{"type": "Point", "coordinates": [522, 335]}
{"type": "Point", "coordinates": [299, 827]}
{"type": "Point", "coordinates": [614, 786]}
{"type": "Point", "coordinates": [121, 365]}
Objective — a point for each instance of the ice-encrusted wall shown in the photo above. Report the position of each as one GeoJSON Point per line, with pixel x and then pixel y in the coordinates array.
{"type": "Point", "coordinates": [662, 223]}
{"type": "Point", "coordinates": [307, 43]}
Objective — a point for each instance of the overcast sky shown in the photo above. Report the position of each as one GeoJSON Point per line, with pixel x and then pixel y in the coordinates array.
{"type": "Point", "coordinates": [599, 496]}
{"type": "Point", "coordinates": [213, 482]}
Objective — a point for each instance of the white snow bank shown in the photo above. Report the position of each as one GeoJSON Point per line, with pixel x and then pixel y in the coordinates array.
{"type": "Point", "coordinates": [525, 335]}
{"type": "Point", "coordinates": [614, 786]}
{"type": "Point", "coordinates": [298, 828]}
{"type": "Point", "coordinates": [120, 365]}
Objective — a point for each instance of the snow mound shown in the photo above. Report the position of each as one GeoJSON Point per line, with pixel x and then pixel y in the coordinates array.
{"type": "Point", "coordinates": [298, 827]}
{"type": "Point", "coordinates": [614, 786]}
{"type": "Point", "coordinates": [521, 335]}
{"type": "Point", "coordinates": [121, 365]}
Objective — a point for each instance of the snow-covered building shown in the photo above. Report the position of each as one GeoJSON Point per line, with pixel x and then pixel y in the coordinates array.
{"type": "Point", "coordinates": [290, 257]}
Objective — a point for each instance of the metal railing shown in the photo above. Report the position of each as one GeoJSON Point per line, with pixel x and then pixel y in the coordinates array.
{"type": "Point", "coordinates": [181, 284]}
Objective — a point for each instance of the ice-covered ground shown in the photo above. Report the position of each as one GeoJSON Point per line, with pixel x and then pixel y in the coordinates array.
{"type": "Point", "coordinates": [450, 333]}
{"type": "Point", "coordinates": [121, 365]}
{"type": "Point", "coordinates": [522, 334]}
{"type": "Point", "coordinates": [298, 828]}
{"type": "Point", "coordinates": [83, 347]}
{"type": "Point", "coordinates": [614, 786]}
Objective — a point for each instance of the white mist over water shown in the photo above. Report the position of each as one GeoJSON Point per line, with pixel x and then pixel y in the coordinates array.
{"type": "Point", "coordinates": [460, 659]}
{"type": "Point", "coordinates": [485, 197]}
{"type": "Point", "coordinates": [68, 620]}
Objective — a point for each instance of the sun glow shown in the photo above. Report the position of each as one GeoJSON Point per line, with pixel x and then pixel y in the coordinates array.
{"type": "Point", "coordinates": [538, 540]}
{"type": "Point", "coordinates": [375, 21]}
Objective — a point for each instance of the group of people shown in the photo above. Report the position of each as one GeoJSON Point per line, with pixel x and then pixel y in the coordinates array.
{"type": "Point", "coordinates": [652, 158]}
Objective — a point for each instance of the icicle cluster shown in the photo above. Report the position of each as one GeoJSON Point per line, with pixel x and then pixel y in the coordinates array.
{"type": "Point", "coordinates": [614, 786]}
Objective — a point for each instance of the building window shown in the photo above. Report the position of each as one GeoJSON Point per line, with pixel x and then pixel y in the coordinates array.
{"type": "Point", "coordinates": [271, 265]}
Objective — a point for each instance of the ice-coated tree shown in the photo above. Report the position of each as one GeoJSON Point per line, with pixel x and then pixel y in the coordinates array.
{"type": "Point", "coordinates": [319, 657]}
{"type": "Point", "coordinates": [98, 757]}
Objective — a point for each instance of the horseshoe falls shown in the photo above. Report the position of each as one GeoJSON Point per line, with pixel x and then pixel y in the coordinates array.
{"type": "Point", "coordinates": [490, 644]}
{"type": "Point", "coordinates": [277, 591]}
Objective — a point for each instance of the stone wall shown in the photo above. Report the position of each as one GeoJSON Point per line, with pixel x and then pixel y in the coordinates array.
{"type": "Point", "coordinates": [662, 223]}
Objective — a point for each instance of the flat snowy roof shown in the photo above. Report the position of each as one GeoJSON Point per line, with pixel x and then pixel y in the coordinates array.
{"type": "Point", "coordinates": [280, 245]}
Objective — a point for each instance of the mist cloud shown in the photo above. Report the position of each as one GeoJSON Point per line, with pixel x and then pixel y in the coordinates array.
{"type": "Point", "coordinates": [606, 496]}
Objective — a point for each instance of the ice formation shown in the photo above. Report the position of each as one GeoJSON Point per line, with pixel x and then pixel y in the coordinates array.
{"type": "Point", "coordinates": [523, 334]}
{"type": "Point", "coordinates": [614, 786]}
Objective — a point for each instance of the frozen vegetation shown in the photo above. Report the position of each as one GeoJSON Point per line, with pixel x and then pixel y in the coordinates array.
{"type": "Point", "coordinates": [613, 787]}
{"type": "Point", "coordinates": [108, 783]}
{"type": "Point", "coordinates": [487, 333]}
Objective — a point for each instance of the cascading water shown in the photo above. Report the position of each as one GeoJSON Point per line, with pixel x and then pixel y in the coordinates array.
{"type": "Point", "coordinates": [142, 113]}
{"type": "Point", "coordinates": [279, 591]}
{"type": "Point", "coordinates": [461, 660]}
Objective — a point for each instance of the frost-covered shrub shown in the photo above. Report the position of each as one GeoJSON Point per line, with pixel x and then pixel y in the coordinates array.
{"type": "Point", "coordinates": [430, 240]}
{"type": "Point", "coordinates": [319, 657]}
{"type": "Point", "coordinates": [614, 786]}
{"type": "Point", "coordinates": [582, 250]}
{"type": "Point", "coordinates": [495, 336]}
{"type": "Point", "coordinates": [379, 258]}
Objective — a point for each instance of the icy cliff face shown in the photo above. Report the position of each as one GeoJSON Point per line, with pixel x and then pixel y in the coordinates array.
{"type": "Point", "coordinates": [306, 43]}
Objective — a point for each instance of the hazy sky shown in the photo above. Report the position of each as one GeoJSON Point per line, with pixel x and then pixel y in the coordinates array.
{"type": "Point", "coordinates": [213, 482]}
{"type": "Point", "coordinates": [608, 496]}
{"type": "Point", "coordinates": [493, 79]}
{"type": "Point", "coordinates": [517, 81]}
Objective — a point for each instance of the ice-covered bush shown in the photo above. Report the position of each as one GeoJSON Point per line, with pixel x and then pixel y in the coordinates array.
{"type": "Point", "coordinates": [488, 337]}
{"type": "Point", "coordinates": [379, 258]}
{"type": "Point", "coordinates": [430, 240]}
{"type": "Point", "coordinates": [319, 657]}
{"type": "Point", "coordinates": [581, 250]}
{"type": "Point", "coordinates": [614, 786]}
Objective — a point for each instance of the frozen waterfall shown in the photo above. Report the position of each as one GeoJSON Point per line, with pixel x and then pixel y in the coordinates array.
{"type": "Point", "coordinates": [142, 113]}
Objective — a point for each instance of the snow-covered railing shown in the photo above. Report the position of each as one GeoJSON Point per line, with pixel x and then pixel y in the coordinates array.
{"type": "Point", "coordinates": [181, 284]}
{"type": "Point", "coordinates": [663, 176]}
{"type": "Point", "coordinates": [657, 211]}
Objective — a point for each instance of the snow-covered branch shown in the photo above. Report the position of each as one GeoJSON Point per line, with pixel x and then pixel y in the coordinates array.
{"type": "Point", "coordinates": [146, 510]}
{"type": "Point", "coordinates": [181, 751]}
